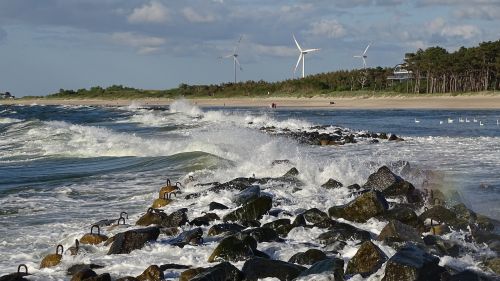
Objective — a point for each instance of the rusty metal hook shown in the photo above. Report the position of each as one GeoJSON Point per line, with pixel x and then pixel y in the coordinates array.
{"type": "Point", "coordinates": [25, 269]}
{"type": "Point", "coordinates": [122, 213]}
{"type": "Point", "coordinates": [57, 249]}
{"type": "Point", "coordinates": [168, 182]}
{"type": "Point", "coordinates": [120, 219]}
{"type": "Point", "coordinates": [98, 229]}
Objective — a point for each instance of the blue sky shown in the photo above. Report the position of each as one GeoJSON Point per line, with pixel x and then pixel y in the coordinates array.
{"type": "Point", "coordinates": [52, 44]}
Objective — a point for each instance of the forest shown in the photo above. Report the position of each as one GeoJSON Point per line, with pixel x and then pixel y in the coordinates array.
{"type": "Point", "coordinates": [433, 70]}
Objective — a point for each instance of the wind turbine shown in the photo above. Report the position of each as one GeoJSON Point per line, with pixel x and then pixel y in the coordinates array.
{"type": "Point", "coordinates": [363, 56]}
{"type": "Point", "coordinates": [302, 56]}
{"type": "Point", "coordinates": [234, 56]}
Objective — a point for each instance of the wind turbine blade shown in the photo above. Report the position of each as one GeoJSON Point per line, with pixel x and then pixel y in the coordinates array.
{"type": "Point", "coordinates": [297, 65]}
{"type": "Point", "coordinates": [311, 50]}
{"type": "Point", "coordinates": [237, 45]}
{"type": "Point", "coordinates": [297, 43]}
{"type": "Point", "coordinates": [228, 56]}
{"type": "Point", "coordinates": [357, 56]}
{"type": "Point", "coordinates": [237, 62]}
{"type": "Point", "coordinates": [367, 48]}
{"type": "Point", "coordinates": [364, 62]}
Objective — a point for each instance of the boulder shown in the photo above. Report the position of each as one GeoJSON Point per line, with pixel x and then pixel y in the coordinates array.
{"type": "Point", "coordinates": [261, 234]}
{"type": "Point", "coordinates": [493, 264]}
{"type": "Point", "coordinates": [205, 219]}
{"type": "Point", "coordinates": [405, 215]}
{"type": "Point", "coordinates": [79, 267]}
{"type": "Point", "coordinates": [51, 260]}
{"type": "Point", "coordinates": [362, 208]}
{"type": "Point", "coordinates": [299, 220]}
{"type": "Point", "coordinates": [411, 263]}
{"type": "Point", "coordinates": [93, 238]}
{"type": "Point", "coordinates": [281, 226]}
{"type": "Point", "coordinates": [223, 272]}
{"type": "Point", "coordinates": [217, 206]}
{"type": "Point", "coordinates": [392, 185]}
{"type": "Point", "coordinates": [343, 232]}
{"type": "Point", "coordinates": [232, 248]}
{"type": "Point", "coordinates": [253, 210]}
{"type": "Point", "coordinates": [469, 275]}
{"type": "Point", "coordinates": [152, 273]}
{"type": "Point", "coordinates": [443, 215]}
{"type": "Point", "coordinates": [225, 228]}
{"type": "Point", "coordinates": [191, 237]}
{"type": "Point", "coordinates": [332, 266]}
{"type": "Point", "coordinates": [130, 240]}
{"type": "Point", "coordinates": [442, 247]}
{"type": "Point", "coordinates": [331, 183]}
{"type": "Point", "coordinates": [308, 257]}
{"type": "Point", "coordinates": [293, 172]}
{"type": "Point", "coordinates": [259, 268]}
{"type": "Point", "coordinates": [160, 218]}
{"type": "Point", "coordinates": [102, 277]}
{"type": "Point", "coordinates": [396, 231]}
{"type": "Point", "coordinates": [167, 266]}
{"type": "Point", "coordinates": [187, 275]}
{"type": "Point", "coordinates": [248, 194]}
{"type": "Point", "coordinates": [314, 216]}
{"type": "Point", "coordinates": [83, 274]}
{"type": "Point", "coordinates": [367, 260]}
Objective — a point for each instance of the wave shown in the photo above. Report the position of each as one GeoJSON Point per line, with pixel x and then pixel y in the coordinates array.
{"type": "Point", "coordinates": [7, 120]}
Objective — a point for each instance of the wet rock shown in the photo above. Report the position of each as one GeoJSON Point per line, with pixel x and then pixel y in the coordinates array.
{"type": "Point", "coordinates": [281, 226]}
{"type": "Point", "coordinates": [405, 215]}
{"type": "Point", "coordinates": [333, 266]}
{"type": "Point", "coordinates": [51, 260]}
{"type": "Point", "coordinates": [102, 277]}
{"type": "Point", "coordinates": [293, 172]}
{"type": "Point", "coordinates": [127, 278]}
{"type": "Point", "coordinates": [278, 162]}
{"type": "Point", "coordinates": [393, 137]}
{"type": "Point", "coordinates": [469, 275]}
{"type": "Point", "coordinates": [191, 237]}
{"type": "Point", "coordinates": [130, 240]}
{"type": "Point", "coordinates": [258, 268]}
{"type": "Point", "coordinates": [223, 272]}
{"type": "Point", "coordinates": [308, 257]}
{"type": "Point", "coordinates": [205, 219]}
{"type": "Point", "coordinates": [484, 223]}
{"type": "Point", "coordinates": [441, 247]}
{"type": "Point", "coordinates": [190, 273]}
{"type": "Point", "coordinates": [396, 231]}
{"type": "Point", "coordinates": [299, 220]}
{"type": "Point", "coordinates": [160, 218]}
{"type": "Point", "coordinates": [79, 267]}
{"type": "Point", "coordinates": [248, 194]}
{"type": "Point", "coordinates": [367, 260]}
{"type": "Point", "coordinates": [493, 264]}
{"type": "Point", "coordinates": [354, 187]}
{"type": "Point", "coordinates": [253, 210]}
{"type": "Point", "coordinates": [161, 202]}
{"type": "Point", "coordinates": [314, 216]}
{"type": "Point", "coordinates": [392, 185]}
{"type": "Point", "coordinates": [331, 183]}
{"type": "Point", "coordinates": [169, 231]}
{"type": "Point", "coordinates": [443, 215]}
{"type": "Point", "coordinates": [343, 232]}
{"type": "Point", "coordinates": [362, 208]}
{"type": "Point", "coordinates": [17, 276]}
{"type": "Point", "coordinates": [225, 228]}
{"type": "Point", "coordinates": [413, 263]}
{"type": "Point", "coordinates": [152, 273]}
{"type": "Point", "coordinates": [261, 234]}
{"type": "Point", "coordinates": [93, 238]}
{"type": "Point", "coordinates": [85, 274]}
{"type": "Point", "coordinates": [217, 206]}
{"type": "Point", "coordinates": [168, 266]}
{"type": "Point", "coordinates": [231, 249]}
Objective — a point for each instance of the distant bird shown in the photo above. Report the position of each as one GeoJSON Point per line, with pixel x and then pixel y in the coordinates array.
{"type": "Point", "coordinates": [481, 123]}
{"type": "Point", "coordinates": [450, 120]}
{"type": "Point", "coordinates": [475, 120]}
{"type": "Point", "coordinates": [417, 121]}
{"type": "Point", "coordinates": [441, 122]}
{"type": "Point", "coordinates": [467, 120]}
{"type": "Point", "coordinates": [498, 123]}
{"type": "Point", "coordinates": [302, 56]}
{"type": "Point", "coordinates": [461, 120]}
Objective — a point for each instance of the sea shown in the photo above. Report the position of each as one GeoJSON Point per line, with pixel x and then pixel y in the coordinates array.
{"type": "Point", "coordinates": [62, 168]}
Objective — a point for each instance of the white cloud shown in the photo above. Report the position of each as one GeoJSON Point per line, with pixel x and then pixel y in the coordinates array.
{"type": "Point", "coordinates": [154, 12]}
{"type": "Point", "coordinates": [479, 12]}
{"type": "Point", "coordinates": [440, 27]}
{"type": "Point", "coordinates": [193, 16]}
{"type": "Point", "coordinates": [328, 28]}
{"type": "Point", "coordinates": [143, 44]}
{"type": "Point", "coordinates": [275, 51]}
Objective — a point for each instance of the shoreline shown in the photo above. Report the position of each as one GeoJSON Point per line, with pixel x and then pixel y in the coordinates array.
{"type": "Point", "coordinates": [438, 102]}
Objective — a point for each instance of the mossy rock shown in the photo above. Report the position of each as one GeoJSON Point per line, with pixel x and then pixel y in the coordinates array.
{"type": "Point", "coordinates": [364, 207]}
{"type": "Point", "coordinates": [343, 232]}
{"type": "Point", "coordinates": [332, 265]}
{"type": "Point", "coordinates": [51, 260]}
{"type": "Point", "coordinates": [152, 273]}
{"type": "Point", "coordinates": [231, 249]}
{"type": "Point", "coordinates": [189, 274]}
{"type": "Point", "coordinates": [223, 271]}
{"type": "Point", "coordinates": [225, 228]}
{"type": "Point", "coordinates": [396, 231]}
{"type": "Point", "coordinates": [331, 184]}
{"type": "Point", "coordinates": [367, 260]}
{"type": "Point", "coordinates": [315, 215]}
{"type": "Point", "coordinates": [308, 257]}
{"type": "Point", "coordinates": [161, 202]}
{"type": "Point", "coordinates": [93, 239]}
{"type": "Point", "coordinates": [494, 265]}
{"type": "Point", "coordinates": [253, 210]}
{"type": "Point", "coordinates": [281, 226]}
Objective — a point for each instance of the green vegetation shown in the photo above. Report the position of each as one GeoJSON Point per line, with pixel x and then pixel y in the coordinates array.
{"type": "Point", "coordinates": [475, 69]}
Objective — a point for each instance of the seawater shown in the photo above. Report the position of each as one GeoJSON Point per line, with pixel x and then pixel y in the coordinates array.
{"type": "Point", "coordinates": [64, 167]}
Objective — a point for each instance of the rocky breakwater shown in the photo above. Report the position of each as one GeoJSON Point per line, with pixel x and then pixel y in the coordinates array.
{"type": "Point", "coordinates": [387, 231]}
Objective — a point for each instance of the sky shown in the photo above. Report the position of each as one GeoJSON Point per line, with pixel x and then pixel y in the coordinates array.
{"type": "Point", "coordinates": [46, 45]}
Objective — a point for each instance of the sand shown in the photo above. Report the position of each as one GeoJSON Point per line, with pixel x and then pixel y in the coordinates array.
{"type": "Point", "coordinates": [426, 102]}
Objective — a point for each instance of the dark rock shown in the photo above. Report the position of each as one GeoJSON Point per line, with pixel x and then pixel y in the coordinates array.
{"type": "Point", "coordinates": [315, 216]}
{"type": "Point", "coordinates": [225, 228]}
{"type": "Point", "coordinates": [261, 234]}
{"type": "Point", "coordinates": [396, 231]}
{"type": "Point", "coordinates": [217, 206]}
{"type": "Point", "coordinates": [253, 210]}
{"type": "Point", "coordinates": [152, 273]}
{"type": "Point", "coordinates": [160, 218]}
{"type": "Point", "coordinates": [343, 232]}
{"type": "Point", "coordinates": [191, 273]}
{"type": "Point", "coordinates": [168, 266]}
{"type": "Point", "coordinates": [331, 183]}
{"type": "Point", "coordinates": [413, 263]}
{"type": "Point", "coordinates": [231, 249]}
{"type": "Point", "coordinates": [221, 272]}
{"type": "Point", "coordinates": [493, 264]}
{"type": "Point", "coordinates": [392, 185]}
{"type": "Point", "coordinates": [205, 219]}
{"type": "Point", "coordinates": [333, 266]}
{"type": "Point", "coordinates": [83, 275]}
{"type": "Point", "coordinates": [367, 260]}
{"type": "Point", "coordinates": [281, 226]}
{"type": "Point", "coordinates": [79, 267]}
{"type": "Point", "coordinates": [258, 268]}
{"type": "Point", "coordinates": [354, 187]}
{"type": "Point", "coordinates": [18, 276]}
{"type": "Point", "coordinates": [293, 172]}
{"type": "Point", "coordinates": [278, 162]}
{"type": "Point", "coordinates": [329, 223]}
{"type": "Point", "coordinates": [443, 215]}
{"type": "Point", "coordinates": [127, 278]}
{"type": "Point", "coordinates": [405, 215]}
{"type": "Point", "coordinates": [308, 257]}
{"type": "Point", "coordinates": [102, 277]}
{"type": "Point", "coordinates": [362, 208]}
{"type": "Point", "coordinates": [441, 247]}
{"type": "Point", "coordinates": [130, 240]}
{"type": "Point", "coordinates": [468, 275]}
{"type": "Point", "coordinates": [300, 220]}
{"type": "Point", "coordinates": [250, 223]}
{"type": "Point", "coordinates": [248, 194]}
{"type": "Point", "coordinates": [189, 237]}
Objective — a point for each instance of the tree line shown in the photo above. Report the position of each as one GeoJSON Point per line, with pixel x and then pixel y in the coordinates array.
{"type": "Point", "coordinates": [434, 70]}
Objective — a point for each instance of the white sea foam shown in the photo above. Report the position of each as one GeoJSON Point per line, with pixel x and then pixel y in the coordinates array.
{"type": "Point", "coordinates": [7, 120]}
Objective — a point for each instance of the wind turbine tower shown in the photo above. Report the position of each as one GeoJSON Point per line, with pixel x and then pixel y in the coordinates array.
{"type": "Point", "coordinates": [234, 56]}
{"type": "Point", "coordinates": [363, 56]}
{"type": "Point", "coordinates": [302, 56]}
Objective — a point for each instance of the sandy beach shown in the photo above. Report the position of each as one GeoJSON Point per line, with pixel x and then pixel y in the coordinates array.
{"type": "Point", "coordinates": [438, 102]}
